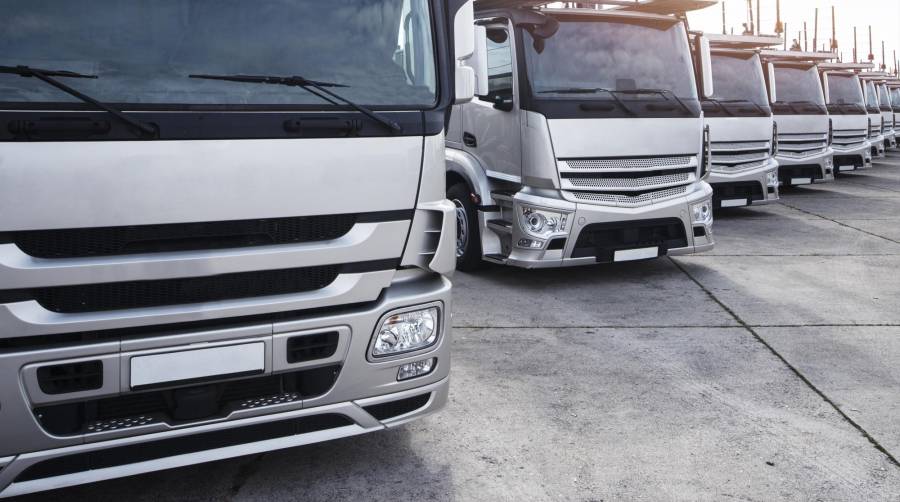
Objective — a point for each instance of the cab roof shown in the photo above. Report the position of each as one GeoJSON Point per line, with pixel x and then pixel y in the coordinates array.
{"type": "Point", "coordinates": [846, 66]}
{"type": "Point", "coordinates": [659, 7]}
{"type": "Point", "coordinates": [797, 56]}
{"type": "Point", "coordinates": [743, 42]}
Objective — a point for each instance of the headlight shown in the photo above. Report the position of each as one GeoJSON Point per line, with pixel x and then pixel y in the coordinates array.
{"type": "Point", "coordinates": [701, 214]}
{"type": "Point", "coordinates": [772, 179]}
{"type": "Point", "coordinates": [541, 222]}
{"type": "Point", "coordinates": [406, 332]}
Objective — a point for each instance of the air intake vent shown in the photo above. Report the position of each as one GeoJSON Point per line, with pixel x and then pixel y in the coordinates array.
{"type": "Point", "coordinates": [304, 348]}
{"type": "Point", "coordinates": [70, 377]}
{"type": "Point", "coordinates": [105, 241]}
{"type": "Point", "coordinates": [393, 409]}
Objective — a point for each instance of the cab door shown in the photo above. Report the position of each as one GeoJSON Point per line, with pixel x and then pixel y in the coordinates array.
{"type": "Point", "coordinates": [491, 124]}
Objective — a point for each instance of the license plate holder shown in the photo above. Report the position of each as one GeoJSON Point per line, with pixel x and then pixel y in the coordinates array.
{"type": "Point", "coordinates": [846, 168]}
{"type": "Point", "coordinates": [636, 254]}
{"type": "Point", "coordinates": [735, 203]}
{"type": "Point", "coordinates": [197, 364]}
{"type": "Point", "coordinates": [801, 181]}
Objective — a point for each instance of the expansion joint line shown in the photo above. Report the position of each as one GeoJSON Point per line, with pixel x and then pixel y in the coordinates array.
{"type": "Point", "coordinates": [790, 366]}
{"type": "Point", "coordinates": [851, 227]}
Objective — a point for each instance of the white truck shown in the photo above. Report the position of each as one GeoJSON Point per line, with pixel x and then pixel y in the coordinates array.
{"type": "Point", "coordinates": [894, 87]}
{"type": "Point", "coordinates": [223, 227]}
{"type": "Point", "coordinates": [887, 112]}
{"type": "Point", "coordinates": [804, 129]}
{"type": "Point", "coordinates": [744, 138]}
{"type": "Point", "coordinates": [850, 120]}
{"type": "Point", "coordinates": [873, 107]}
{"type": "Point", "coordinates": [586, 143]}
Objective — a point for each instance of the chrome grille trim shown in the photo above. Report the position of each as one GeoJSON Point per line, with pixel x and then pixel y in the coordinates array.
{"type": "Point", "coordinates": [801, 155]}
{"type": "Point", "coordinates": [720, 168]}
{"type": "Point", "coordinates": [738, 159]}
{"type": "Point", "coordinates": [629, 201]}
{"type": "Point", "coordinates": [642, 163]}
{"type": "Point", "coordinates": [741, 147]}
{"type": "Point", "coordinates": [803, 137]}
{"type": "Point", "coordinates": [801, 147]}
{"type": "Point", "coordinates": [609, 183]}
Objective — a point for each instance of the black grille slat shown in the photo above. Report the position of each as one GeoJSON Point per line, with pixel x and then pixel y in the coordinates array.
{"type": "Point", "coordinates": [304, 348]}
{"type": "Point", "coordinates": [108, 241]}
{"type": "Point", "coordinates": [70, 377]}
{"type": "Point", "coordinates": [141, 294]}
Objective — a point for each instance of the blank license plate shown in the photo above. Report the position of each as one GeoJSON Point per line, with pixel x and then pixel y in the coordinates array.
{"type": "Point", "coordinates": [734, 203]}
{"type": "Point", "coordinates": [847, 168]}
{"type": "Point", "coordinates": [197, 364]}
{"type": "Point", "coordinates": [801, 181]}
{"type": "Point", "coordinates": [636, 254]}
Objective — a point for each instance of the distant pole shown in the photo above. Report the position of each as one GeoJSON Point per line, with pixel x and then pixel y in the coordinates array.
{"type": "Point", "coordinates": [758, 17]}
{"type": "Point", "coordinates": [751, 27]}
{"type": "Point", "coordinates": [785, 35]}
{"type": "Point", "coordinates": [779, 27]}
{"type": "Point", "coordinates": [883, 58]}
{"type": "Point", "coordinates": [816, 30]}
{"type": "Point", "coordinates": [834, 44]}
{"type": "Point", "coordinates": [724, 30]}
{"type": "Point", "coordinates": [871, 54]}
{"type": "Point", "coordinates": [855, 54]}
{"type": "Point", "coordinates": [805, 39]}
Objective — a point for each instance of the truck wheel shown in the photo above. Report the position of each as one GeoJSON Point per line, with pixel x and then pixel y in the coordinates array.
{"type": "Point", "coordinates": [468, 236]}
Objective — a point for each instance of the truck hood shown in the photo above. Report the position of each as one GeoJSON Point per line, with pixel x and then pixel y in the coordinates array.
{"type": "Point", "coordinates": [100, 184]}
{"type": "Point", "coordinates": [802, 124]}
{"type": "Point", "coordinates": [735, 129]}
{"type": "Point", "coordinates": [587, 138]}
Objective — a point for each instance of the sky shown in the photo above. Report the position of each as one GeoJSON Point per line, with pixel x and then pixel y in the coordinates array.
{"type": "Point", "coordinates": [883, 15]}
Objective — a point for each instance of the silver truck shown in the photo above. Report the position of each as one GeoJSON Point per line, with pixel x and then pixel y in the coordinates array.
{"type": "Point", "coordinates": [873, 107]}
{"type": "Point", "coordinates": [887, 112]}
{"type": "Point", "coordinates": [894, 86]}
{"type": "Point", "coordinates": [223, 228]}
{"type": "Point", "coordinates": [744, 138]}
{"type": "Point", "coordinates": [586, 143]}
{"type": "Point", "coordinates": [850, 120]}
{"type": "Point", "coordinates": [804, 129]}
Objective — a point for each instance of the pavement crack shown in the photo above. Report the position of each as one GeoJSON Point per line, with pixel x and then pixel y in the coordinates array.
{"type": "Point", "coordinates": [874, 442]}
{"type": "Point", "coordinates": [840, 223]}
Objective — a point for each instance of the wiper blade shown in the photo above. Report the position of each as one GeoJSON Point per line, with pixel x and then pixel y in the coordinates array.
{"type": "Point", "coordinates": [664, 92]}
{"type": "Point", "coordinates": [47, 76]}
{"type": "Point", "coordinates": [592, 90]}
{"type": "Point", "coordinates": [720, 105]}
{"type": "Point", "coordinates": [756, 105]}
{"type": "Point", "coordinates": [319, 89]}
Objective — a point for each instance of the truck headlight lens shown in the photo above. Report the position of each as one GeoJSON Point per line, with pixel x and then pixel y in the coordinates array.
{"type": "Point", "coordinates": [406, 332]}
{"type": "Point", "coordinates": [772, 179]}
{"type": "Point", "coordinates": [701, 214]}
{"type": "Point", "coordinates": [541, 222]}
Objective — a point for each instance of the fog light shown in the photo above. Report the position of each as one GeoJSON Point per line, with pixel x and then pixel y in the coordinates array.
{"type": "Point", "coordinates": [530, 244]}
{"type": "Point", "coordinates": [416, 369]}
{"type": "Point", "coordinates": [772, 179]}
{"type": "Point", "coordinates": [829, 162]}
{"type": "Point", "coordinates": [701, 214]}
{"type": "Point", "coordinates": [406, 332]}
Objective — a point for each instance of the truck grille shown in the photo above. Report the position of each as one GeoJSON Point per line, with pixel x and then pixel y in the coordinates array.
{"type": "Point", "coordinates": [800, 146]}
{"type": "Point", "coordinates": [108, 241]}
{"type": "Point", "coordinates": [737, 157]}
{"type": "Point", "coordinates": [141, 294]}
{"type": "Point", "coordinates": [875, 130]}
{"type": "Point", "coordinates": [849, 139]}
{"type": "Point", "coordinates": [627, 181]}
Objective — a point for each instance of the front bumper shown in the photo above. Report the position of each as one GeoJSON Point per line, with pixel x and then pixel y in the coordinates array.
{"type": "Point", "coordinates": [751, 187]}
{"type": "Point", "coordinates": [583, 215]}
{"type": "Point", "coordinates": [890, 138]}
{"type": "Point", "coordinates": [852, 159]}
{"type": "Point", "coordinates": [877, 146]}
{"type": "Point", "coordinates": [37, 460]}
{"type": "Point", "coordinates": [817, 168]}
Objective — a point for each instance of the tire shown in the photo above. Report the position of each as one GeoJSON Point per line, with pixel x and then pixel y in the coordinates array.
{"type": "Point", "coordinates": [468, 234]}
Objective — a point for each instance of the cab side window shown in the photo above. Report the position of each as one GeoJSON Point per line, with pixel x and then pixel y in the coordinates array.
{"type": "Point", "coordinates": [499, 62]}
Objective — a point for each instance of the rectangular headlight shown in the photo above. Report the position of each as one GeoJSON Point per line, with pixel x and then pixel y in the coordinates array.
{"type": "Point", "coordinates": [407, 332]}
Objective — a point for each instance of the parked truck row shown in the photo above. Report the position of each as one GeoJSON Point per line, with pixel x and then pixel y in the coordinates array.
{"type": "Point", "coordinates": [218, 241]}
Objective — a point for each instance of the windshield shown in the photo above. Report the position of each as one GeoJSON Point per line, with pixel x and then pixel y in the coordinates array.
{"type": "Point", "coordinates": [871, 95]}
{"type": "Point", "coordinates": [143, 50]}
{"type": "Point", "coordinates": [844, 90]}
{"type": "Point", "coordinates": [883, 97]}
{"type": "Point", "coordinates": [798, 85]}
{"type": "Point", "coordinates": [739, 78]}
{"type": "Point", "coordinates": [610, 55]}
{"type": "Point", "coordinates": [895, 99]}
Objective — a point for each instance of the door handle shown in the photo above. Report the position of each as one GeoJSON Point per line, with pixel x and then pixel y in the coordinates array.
{"type": "Point", "coordinates": [469, 140]}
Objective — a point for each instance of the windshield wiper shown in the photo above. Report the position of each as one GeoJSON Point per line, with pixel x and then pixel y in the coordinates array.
{"type": "Point", "coordinates": [315, 88]}
{"type": "Point", "coordinates": [47, 76]}
{"type": "Point", "coordinates": [664, 93]}
{"type": "Point", "coordinates": [720, 105]}
{"type": "Point", "coordinates": [592, 90]}
{"type": "Point", "coordinates": [756, 105]}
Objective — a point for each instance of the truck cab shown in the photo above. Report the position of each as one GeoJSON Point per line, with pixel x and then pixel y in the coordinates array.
{"type": "Point", "coordinates": [586, 142]}
{"type": "Point", "coordinates": [743, 135]}
{"type": "Point", "coordinates": [223, 228]}
{"type": "Point", "coordinates": [804, 129]}
{"type": "Point", "coordinates": [894, 87]}
{"type": "Point", "coordinates": [887, 112]}
{"type": "Point", "coordinates": [849, 117]}
{"type": "Point", "coordinates": [876, 118]}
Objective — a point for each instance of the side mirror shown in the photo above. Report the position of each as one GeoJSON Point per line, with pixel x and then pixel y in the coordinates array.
{"type": "Point", "coordinates": [503, 103]}
{"type": "Point", "coordinates": [478, 61]}
{"type": "Point", "coordinates": [770, 74]}
{"type": "Point", "coordinates": [706, 67]}
{"type": "Point", "coordinates": [826, 89]}
{"type": "Point", "coordinates": [464, 48]}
